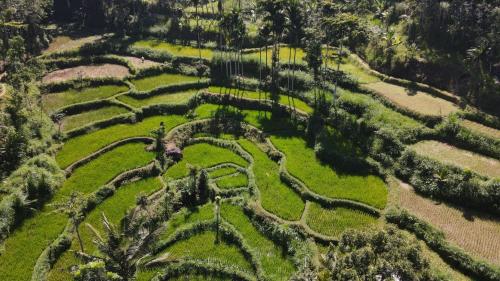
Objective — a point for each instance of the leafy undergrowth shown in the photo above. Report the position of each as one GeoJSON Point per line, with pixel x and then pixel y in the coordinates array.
{"type": "Point", "coordinates": [152, 82]}
{"type": "Point", "coordinates": [37, 232]}
{"type": "Point", "coordinates": [81, 146]}
{"type": "Point", "coordinates": [228, 182]}
{"type": "Point", "coordinates": [166, 98]}
{"type": "Point", "coordinates": [327, 180]}
{"type": "Point", "coordinates": [275, 196]}
{"type": "Point", "coordinates": [203, 155]}
{"type": "Point", "coordinates": [333, 222]}
{"type": "Point", "coordinates": [114, 208]}
{"type": "Point", "coordinates": [274, 264]}
{"type": "Point", "coordinates": [451, 155]}
{"type": "Point", "coordinates": [79, 120]}
{"type": "Point", "coordinates": [176, 50]}
{"type": "Point", "coordinates": [54, 101]}
{"type": "Point", "coordinates": [284, 100]}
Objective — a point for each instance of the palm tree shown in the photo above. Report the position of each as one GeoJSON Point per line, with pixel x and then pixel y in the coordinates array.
{"type": "Point", "coordinates": [121, 254]}
{"type": "Point", "coordinates": [73, 208]}
{"type": "Point", "coordinates": [295, 27]}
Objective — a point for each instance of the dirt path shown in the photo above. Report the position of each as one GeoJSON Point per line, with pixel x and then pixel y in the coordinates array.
{"type": "Point", "coordinates": [477, 233]}
{"type": "Point", "coordinates": [87, 71]}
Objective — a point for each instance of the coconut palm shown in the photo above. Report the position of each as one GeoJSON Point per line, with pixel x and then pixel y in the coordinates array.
{"type": "Point", "coordinates": [73, 209]}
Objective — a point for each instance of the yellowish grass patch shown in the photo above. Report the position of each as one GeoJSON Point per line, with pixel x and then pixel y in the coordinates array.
{"type": "Point", "coordinates": [481, 129]}
{"type": "Point", "coordinates": [465, 159]}
{"type": "Point", "coordinates": [87, 71]}
{"type": "Point", "coordinates": [417, 101]}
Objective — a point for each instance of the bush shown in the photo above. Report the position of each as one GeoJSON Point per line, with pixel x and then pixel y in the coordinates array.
{"type": "Point", "coordinates": [35, 181]}
{"type": "Point", "coordinates": [436, 241]}
{"type": "Point", "coordinates": [452, 184]}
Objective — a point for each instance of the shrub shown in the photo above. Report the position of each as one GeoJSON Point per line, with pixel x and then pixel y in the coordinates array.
{"type": "Point", "coordinates": [436, 241]}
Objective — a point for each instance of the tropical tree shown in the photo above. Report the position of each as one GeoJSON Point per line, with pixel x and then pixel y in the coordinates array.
{"type": "Point", "coordinates": [159, 135]}
{"type": "Point", "coordinates": [122, 255]}
{"type": "Point", "coordinates": [295, 26]}
{"type": "Point", "coordinates": [73, 209]}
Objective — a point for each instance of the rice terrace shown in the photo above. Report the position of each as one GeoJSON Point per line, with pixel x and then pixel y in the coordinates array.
{"type": "Point", "coordinates": [251, 140]}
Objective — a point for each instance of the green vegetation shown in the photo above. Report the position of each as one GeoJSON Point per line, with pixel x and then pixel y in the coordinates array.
{"type": "Point", "coordinates": [223, 172]}
{"type": "Point", "coordinates": [115, 208]}
{"type": "Point", "coordinates": [191, 249]}
{"type": "Point", "coordinates": [79, 120]}
{"type": "Point", "coordinates": [81, 146]}
{"type": "Point", "coordinates": [175, 50]}
{"type": "Point", "coordinates": [152, 82]}
{"type": "Point", "coordinates": [203, 155]}
{"type": "Point", "coordinates": [54, 101]}
{"type": "Point", "coordinates": [333, 222]}
{"type": "Point", "coordinates": [41, 229]}
{"type": "Point", "coordinates": [284, 100]}
{"type": "Point", "coordinates": [274, 264]}
{"type": "Point", "coordinates": [275, 196]}
{"type": "Point", "coordinates": [324, 179]}
{"type": "Point", "coordinates": [227, 182]}
{"type": "Point", "coordinates": [188, 216]}
{"type": "Point", "coordinates": [166, 98]}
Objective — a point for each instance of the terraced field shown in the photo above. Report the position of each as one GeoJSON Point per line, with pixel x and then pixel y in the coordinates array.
{"type": "Point", "coordinates": [270, 201]}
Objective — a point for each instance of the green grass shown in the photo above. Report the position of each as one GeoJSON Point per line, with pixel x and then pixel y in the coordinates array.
{"type": "Point", "coordinates": [153, 82]}
{"type": "Point", "coordinates": [115, 208]}
{"type": "Point", "coordinates": [166, 98]}
{"type": "Point", "coordinates": [223, 172]}
{"type": "Point", "coordinates": [324, 180]}
{"type": "Point", "coordinates": [333, 222]}
{"type": "Point", "coordinates": [147, 275]}
{"type": "Point", "coordinates": [203, 247]}
{"type": "Point", "coordinates": [186, 217]}
{"type": "Point", "coordinates": [52, 102]}
{"type": "Point", "coordinates": [203, 155]}
{"type": "Point", "coordinates": [176, 50]}
{"type": "Point", "coordinates": [284, 55]}
{"type": "Point", "coordinates": [79, 120]}
{"type": "Point", "coordinates": [228, 182]}
{"type": "Point", "coordinates": [276, 197]}
{"type": "Point", "coordinates": [26, 243]}
{"type": "Point", "coordinates": [274, 264]}
{"type": "Point", "coordinates": [263, 120]}
{"type": "Point", "coordinates": [300, 105]}
{"type": "Point", "coordinates": [81, 146]}
{"type": "Point", "coordinates": [355, 71]}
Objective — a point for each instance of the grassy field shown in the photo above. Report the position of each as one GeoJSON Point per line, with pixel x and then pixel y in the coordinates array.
{"type": "Point", "coordinates": [166, 98]}
{"type": "Point", "coordinates": [417, 101]}
{"type": "Point", "coordinates": [115, 209]}
{"type": "Point", "coordinates": [448, 154]}
{"type": "Point", "coordinates": [153, 82]}
{"type": "Point", "coordinates": [204, 247]}
{"type": "Point", "coordinates": [325, 180]}
{"type": "Point", "coordinates": [203, 155]}
{"type": "Point", "coordinates": [78, 120]}
{"type": "Point", "coordinates": [481, 129]}
{"type": "Point", "coordinates": [186, 217]}
{"type": "Point", "coordinates": [333, 222]}
{"type": "Point", "coordinates": [27, 242]}
{"type": "Point", "coordinates": [223, 172]}
{"type": "Point", "coordinates": [275, 196]}
{"type": "Point", "coordinates": [477, 233]}
{"type": "Point", "coordinates": [54, 101]}
{"type": "Point", "coordinates": [284, 55]}
{"type": "Point", "coordinates": [285, 100]}
{"type": "Point", "coordinates": [176, 50]}
{"type": "Point", "coordinates": [274, 264]}
{"type": "Point", "coordinates": [355, 71]}
{"type": "Point", "coordinates": [228, 182]}
{"type": "Point", "coordinates": [81, 146]}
